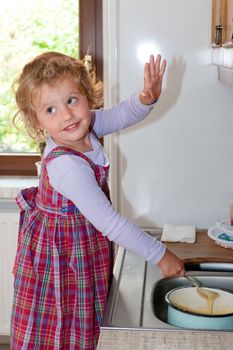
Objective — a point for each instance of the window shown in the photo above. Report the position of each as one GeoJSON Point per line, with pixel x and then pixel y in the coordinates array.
{"type": "Point", "coordinates": [88, 39]}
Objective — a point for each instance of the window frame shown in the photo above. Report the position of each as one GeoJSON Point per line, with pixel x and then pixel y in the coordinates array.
{"type": "Point", "coordinates": [91, 42]}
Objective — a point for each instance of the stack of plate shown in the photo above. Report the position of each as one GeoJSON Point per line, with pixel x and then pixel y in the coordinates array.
{"type": "Point", "coordinates": [222, 233]}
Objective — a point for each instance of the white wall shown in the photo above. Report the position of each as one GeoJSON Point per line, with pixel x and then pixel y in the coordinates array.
{"type": "Point", "coordinates": [177, 166]}
{"type": "Point", "coordinates": [9, 222]}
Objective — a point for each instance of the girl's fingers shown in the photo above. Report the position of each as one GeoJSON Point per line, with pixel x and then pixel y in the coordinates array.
{"type": "Point", "coordinates": [146, 71]}
{"type": "Point", "coordinates": [162, 68]}
{"type": "Point", "coordinates": [147, 75]}
{"type": "Point", "coordinates": [156, 69]}
{"type": "Point", "coordinates": [152, 66]}
{"type": "Point", "coordinates": [153, 74]}
{"type": "Point", "coordinates": [157, 64]}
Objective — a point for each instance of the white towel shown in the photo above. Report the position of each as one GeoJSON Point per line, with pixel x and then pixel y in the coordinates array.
{"type": "Point", "coordinates": [173, 233]}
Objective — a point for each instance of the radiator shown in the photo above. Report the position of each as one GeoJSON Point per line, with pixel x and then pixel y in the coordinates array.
{"type": "Point", "coordinates": [8, 242]}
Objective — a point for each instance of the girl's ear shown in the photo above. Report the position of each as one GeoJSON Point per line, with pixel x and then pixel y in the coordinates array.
{"type": "Point", "coordinates": [37, 123]}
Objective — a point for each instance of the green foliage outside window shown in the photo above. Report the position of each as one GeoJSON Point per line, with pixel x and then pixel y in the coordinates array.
{"type": "Point", "coordinates": [28, 28]}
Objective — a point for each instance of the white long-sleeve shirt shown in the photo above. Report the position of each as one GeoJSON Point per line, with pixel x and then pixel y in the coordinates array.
{"type": "Point", "coordinates": [73, 177]}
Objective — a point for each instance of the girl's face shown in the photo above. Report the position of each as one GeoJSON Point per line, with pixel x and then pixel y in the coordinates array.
{"type": "Point", "coordinates": [64, 113]}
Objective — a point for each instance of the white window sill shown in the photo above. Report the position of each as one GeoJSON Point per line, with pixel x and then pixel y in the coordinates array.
{"type": "Point", "coordinates": [11, 185]}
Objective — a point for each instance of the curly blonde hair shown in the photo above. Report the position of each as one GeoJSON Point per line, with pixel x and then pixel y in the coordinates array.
{"type": "Point", "coordinates": [49, 68]}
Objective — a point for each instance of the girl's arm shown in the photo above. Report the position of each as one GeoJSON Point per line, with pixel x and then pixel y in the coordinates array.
{"type": "Point", "coordinates": [136, 108]}
{"type": "Point", "coordinates": [116, 118]}
{"type": "Point", "coordinates": [78, 183]}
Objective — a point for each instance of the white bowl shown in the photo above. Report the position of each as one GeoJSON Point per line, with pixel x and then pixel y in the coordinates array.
{"type": "Point", "coordinates": [188, 298]}
{"type": "Point", "coordinates": [183, 298]}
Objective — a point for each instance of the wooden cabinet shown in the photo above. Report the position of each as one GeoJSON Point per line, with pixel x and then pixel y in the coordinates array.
{"type": "Point", "coordinates": [229, 23]}
{"type": "Point", "coordinates": [222, 39]}
{"type": "Point", "coordinates": [222, 23]}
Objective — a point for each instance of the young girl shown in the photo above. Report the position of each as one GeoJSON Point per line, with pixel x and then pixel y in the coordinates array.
{"type": "Point", "coordinates": [64, 260]}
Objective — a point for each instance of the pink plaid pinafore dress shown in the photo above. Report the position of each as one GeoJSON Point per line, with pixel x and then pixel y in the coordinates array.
{"type": "Point", "coordinates": [62, 270]}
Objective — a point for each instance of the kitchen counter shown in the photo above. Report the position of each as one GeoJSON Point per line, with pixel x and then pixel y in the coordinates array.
{"type": "Point", "coordinates": [130, 322]}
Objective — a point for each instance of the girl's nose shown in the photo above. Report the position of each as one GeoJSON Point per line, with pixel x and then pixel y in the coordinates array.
{"type": "Point", "coordinates": [67, 113]}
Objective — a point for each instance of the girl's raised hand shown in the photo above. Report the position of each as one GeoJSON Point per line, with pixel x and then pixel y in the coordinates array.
{"type": "Point", "coordinates": [153, 77]}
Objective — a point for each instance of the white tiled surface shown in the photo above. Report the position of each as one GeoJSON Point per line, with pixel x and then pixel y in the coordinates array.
{"type": "Point", "coordinates": [11, 185]}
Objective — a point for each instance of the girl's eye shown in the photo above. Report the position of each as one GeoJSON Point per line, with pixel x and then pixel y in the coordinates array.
{"type": "Point", "coordinates": [51, 110]}
{"type": "Point", "coordinates": [72, 100]}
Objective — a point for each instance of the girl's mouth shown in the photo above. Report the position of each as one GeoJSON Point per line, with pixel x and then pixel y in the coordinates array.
{"type": "Point", "coordinates": [72, 127]}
